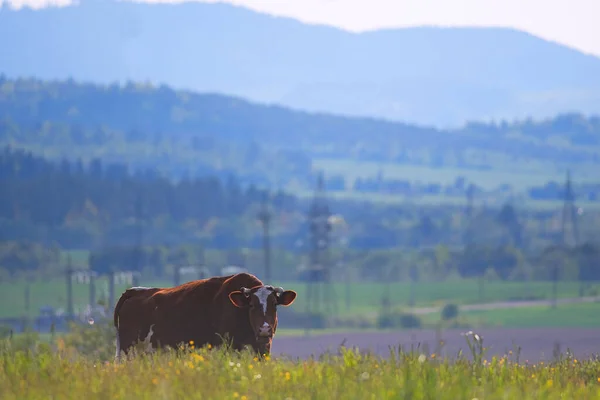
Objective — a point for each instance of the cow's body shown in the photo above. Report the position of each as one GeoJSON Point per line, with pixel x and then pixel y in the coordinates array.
{"type": "Point", "coordinates": [203, 311]}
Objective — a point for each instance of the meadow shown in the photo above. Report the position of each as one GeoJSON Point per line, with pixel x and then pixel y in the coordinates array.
{"type": "Point", "coordinates": [521, 176]}
{"type": "Point", "coordinates": [75, 366]}
{"type": "Point", "coordinates": [364, 298]}
{"type": "Point", "coordinates": [577, 315]}
{"type": "Point", "coordinates": [439, 200]}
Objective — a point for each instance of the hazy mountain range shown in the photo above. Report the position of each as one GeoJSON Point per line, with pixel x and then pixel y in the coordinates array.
{"type": "Point", "coordinates": [433, 76]}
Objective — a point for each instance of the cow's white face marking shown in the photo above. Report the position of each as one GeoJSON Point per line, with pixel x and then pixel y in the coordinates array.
{"type": "Point", "coordinates": [263, 294]}
{"type": "Point", "coordinates": [139, 288]}
{"type": "Point", "coordinates": [264, 330]}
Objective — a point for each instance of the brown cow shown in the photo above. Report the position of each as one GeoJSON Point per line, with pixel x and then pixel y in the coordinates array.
{"type": "Point", "coordinates": [203, 311]}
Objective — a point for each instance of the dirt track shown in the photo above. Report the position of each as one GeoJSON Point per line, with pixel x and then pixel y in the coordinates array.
{"type": "Point", "coordinates": [537, 344]}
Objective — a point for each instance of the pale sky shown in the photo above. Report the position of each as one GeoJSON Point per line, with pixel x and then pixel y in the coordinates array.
{"type": "Point", "coordinates": [571, 22]}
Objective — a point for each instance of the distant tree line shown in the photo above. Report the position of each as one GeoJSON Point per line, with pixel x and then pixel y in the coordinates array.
{"type": "Point", "coordinates": [105, 208]}
{"type": "Point", "coordinates": [39, 193]}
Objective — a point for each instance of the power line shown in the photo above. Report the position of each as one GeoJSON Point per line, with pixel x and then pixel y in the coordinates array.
{"type": "Point", "coordinates": [264, 216]}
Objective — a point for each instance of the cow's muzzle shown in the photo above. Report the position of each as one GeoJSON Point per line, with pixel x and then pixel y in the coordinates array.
{"type": "Point", "coordinates": [265, 332]}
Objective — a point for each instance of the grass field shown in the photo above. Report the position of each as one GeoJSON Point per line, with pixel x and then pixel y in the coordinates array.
{"type": "Point", "coordinates": [60, 371]}
{"type": "Point", "coordinates": [521, 176]}
{"type": "Point", "coordinates": [436, 200]}
{"type": "Point", "coordinates": [364, 297]}
{"type": "Point", "coordinates": [566, 315]}
{"type": "Point", "coordinates": [583, 315]}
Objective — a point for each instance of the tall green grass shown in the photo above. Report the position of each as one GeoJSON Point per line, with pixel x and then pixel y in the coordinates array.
{"type": "Point", "coordinates": [70, 368]}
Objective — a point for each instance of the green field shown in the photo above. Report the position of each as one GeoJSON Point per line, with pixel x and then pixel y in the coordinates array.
{"type": "Point", "coordinates": [365, 298]}
{"type": "Point", "coordinates": [432, 200]}
{"type": "Point", "coordinates": [520, 176]}
{"type": "Point", "coordinates": [577, 315]}
{"type": "Point", "coordinates": [564, 316]}
{"type": "Point", "coordinates": [60, 370]}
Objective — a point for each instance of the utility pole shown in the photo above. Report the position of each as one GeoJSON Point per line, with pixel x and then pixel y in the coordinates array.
{"type": "Point", "coordinates": [69, 278]}
{"type": "Point", "coordinates": [554, 282]}
{"type": "Point", "coordinates": [320, 227]}
{"type": "Point", "coordinates": [346, 268]}
{"type": "Point", "coordinates": [137, 261]}
{"type": "Point", "coordinates": [468, 213]}
{"type": "Point", "coordinates": [92, 283]}
{"type": "Point", "coordinates": [413, 282]}
{"type": "Point", "coordinates": [569, 216]}
{"type": "Point", "coordinates": [28, 282]}
{"type": "Point", "coordinates": [264, 216]}
{"type": "Point", "coordinates": [111, 289]}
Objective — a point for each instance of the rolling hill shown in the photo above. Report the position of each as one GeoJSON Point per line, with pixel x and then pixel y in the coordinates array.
{"type": "Point", "coordinates": [184, 132]}
{"type": "Point", "coordinates": [429, 76]}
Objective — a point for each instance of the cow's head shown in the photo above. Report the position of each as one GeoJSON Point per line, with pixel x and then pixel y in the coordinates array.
{"type": "Point", "coordinates": [261, 302]}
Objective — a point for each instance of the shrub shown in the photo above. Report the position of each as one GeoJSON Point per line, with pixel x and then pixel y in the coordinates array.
{"type": "Point", "coordinates": [97, 340]}
{"type": "Point", "coordinates": [450, 311]}
{"type": "Point", "coordinates": [395, 319]}
{"type": "Point", "coordinates": [359, 322]}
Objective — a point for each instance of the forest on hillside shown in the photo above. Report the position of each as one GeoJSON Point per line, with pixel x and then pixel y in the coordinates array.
{"type": "Point", "coordinates": [103, 208]}
{"type": "Point", "coordinates": [188, 134]}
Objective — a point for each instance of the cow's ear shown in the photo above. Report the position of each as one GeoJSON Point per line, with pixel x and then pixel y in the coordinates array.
{"type": "Point", "coordinates": [286, 298]}
{"type": "Point", "coordinates": [238, 299]}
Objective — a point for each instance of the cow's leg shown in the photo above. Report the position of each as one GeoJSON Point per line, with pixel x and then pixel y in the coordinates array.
{"type": "Point", "coordinates": [126, 341]}
{"type": "Point", "coordinates": [118, 352]}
